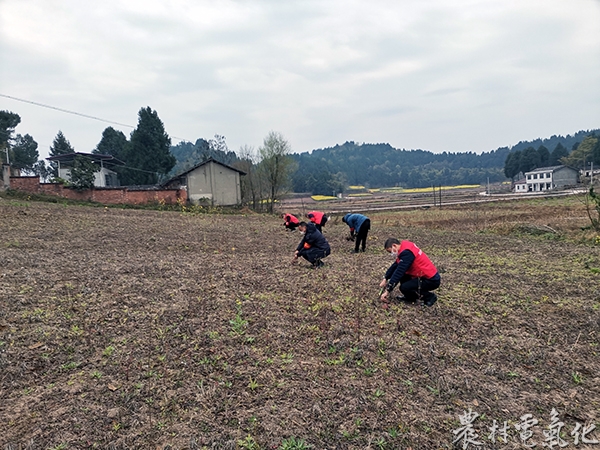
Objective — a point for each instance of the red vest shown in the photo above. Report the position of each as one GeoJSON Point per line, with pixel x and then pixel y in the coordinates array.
{"type": "Point", "coordinates": [317, 217]}
{"type": "Point", "coordinates": [422, 267]}
{"type": "Point", "coordinates": [290, 219]}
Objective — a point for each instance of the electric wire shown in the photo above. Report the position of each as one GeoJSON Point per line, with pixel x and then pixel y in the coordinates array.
{"type": "Point", "coordinates": [94, 118]}
{"type": "Point", "coordinates": [75, 113]}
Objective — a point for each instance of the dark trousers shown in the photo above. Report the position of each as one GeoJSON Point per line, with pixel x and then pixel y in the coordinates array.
{"type": "Point", "coordinates": [416, 288]}
{"type": "Point", "coordinates": [361, 236]}
{"type": "Point", "coordinates": [319, 226]}
{"type": "Point", "coordinates": [291, 226]}
{"type": "Point", "coordinates": [312, 254]}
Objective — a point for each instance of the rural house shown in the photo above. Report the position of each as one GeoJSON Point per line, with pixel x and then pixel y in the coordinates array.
{"type": "Point", "coordinates": [103, 178]}
{"type": "Point", "coordinates": [521, 186]}
{"type": "Point", "coordinates": [547, 178]}
{"type": "Point", "coordinates": [211, 181]}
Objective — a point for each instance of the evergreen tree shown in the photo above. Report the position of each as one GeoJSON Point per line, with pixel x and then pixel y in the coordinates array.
{"type": "Point", "coordinates": [113, 143]}
{"type": "Point", "coordinates": [8, 123]}
{"type": "Point", "coordinates": [558, 154]}
{"type": "Point", "coordinates": [24, 153]}
{"type": "Point", "coordinates": [83, 173]}
{"type": "Point", "coordinates": [544, 155]}
{"type": "Point", "coordinates": [513, 164]}
{"type": "Point", "coordinates": [42, 170]}
{"type": "Point", "coordinates": [148, 156]}
{"type": "Point", "coordinates": [530, 159]}
{"type": "Point", "coordinates": [60, 146]}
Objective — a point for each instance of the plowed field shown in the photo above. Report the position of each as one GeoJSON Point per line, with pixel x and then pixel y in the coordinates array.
{"type": "Point", "coordinates": [139, 329]}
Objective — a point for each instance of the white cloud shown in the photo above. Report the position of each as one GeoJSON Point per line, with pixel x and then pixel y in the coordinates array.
{"type": "Point", "coordinates": [432, 74]}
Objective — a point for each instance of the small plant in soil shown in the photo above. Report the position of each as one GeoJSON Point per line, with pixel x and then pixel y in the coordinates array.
{"type": "Point", "coordinates": [293, 443]}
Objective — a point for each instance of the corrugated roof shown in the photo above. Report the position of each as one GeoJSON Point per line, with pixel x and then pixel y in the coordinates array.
{"type": "Point", "coordinates": [546, 169]}
{"type": "Point", "coordinates": [70, 157]}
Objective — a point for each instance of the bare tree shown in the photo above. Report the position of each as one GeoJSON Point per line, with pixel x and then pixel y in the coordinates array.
{"type": "Point", "coordinates": [276, 166]}
{"type": "Point", "coordinates": [251, 183]}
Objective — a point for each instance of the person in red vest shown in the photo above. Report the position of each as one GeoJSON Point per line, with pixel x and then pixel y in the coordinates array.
{"type": "Point", "coordinates": [290, 221]}
{"type": "Point", "coordinates": [413, 271]}
{"type": "Point", "coordinates": [318, 218]}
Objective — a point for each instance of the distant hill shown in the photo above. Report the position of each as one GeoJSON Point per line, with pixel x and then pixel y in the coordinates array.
{"type": "Point", "coordinates": [322, 171]}
{"type": "Point", "coordinates": [329, 170]}
{"type": "Point", "coordinates": [568, 141]}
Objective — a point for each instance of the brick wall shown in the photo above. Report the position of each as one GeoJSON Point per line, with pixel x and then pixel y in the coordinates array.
{"type": "Point", "coordinates": [122, 195]}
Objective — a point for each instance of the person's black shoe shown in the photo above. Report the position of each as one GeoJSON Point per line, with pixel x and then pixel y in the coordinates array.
{"type": "Point", "coordinates": [318, 263]}
{"type": "Point", "coordinates": [353, 251]}
{"type": "Point", "coordinates": [431, 300]}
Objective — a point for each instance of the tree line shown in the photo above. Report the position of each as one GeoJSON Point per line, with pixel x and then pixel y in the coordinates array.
{"type": "Point", "coordinates": [148, 157]}
{"type": "Point", "coordinates": [143, 159]}
{"type": "Point", "coordinates": [324, 171]}
{"type": "Point", "coordinates": [582, 155]}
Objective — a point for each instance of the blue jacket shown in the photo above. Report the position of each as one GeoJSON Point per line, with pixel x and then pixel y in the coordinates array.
{"type": "Point", "coordinates": [354, 221]}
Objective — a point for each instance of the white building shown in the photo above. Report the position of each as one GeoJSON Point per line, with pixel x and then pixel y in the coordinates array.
{"type": "Point", "coordinates": [104, 177]}
{"type": "Point", "coordinates": [521, 185]}
{"type": "Point", "coordinates": [548, 178]}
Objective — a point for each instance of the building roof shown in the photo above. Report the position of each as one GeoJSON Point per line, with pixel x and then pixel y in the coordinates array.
{"type": "Point", "coordinates": [521, 181]}
{"type": "Point", "coordinates": [200, 165]}
{"type": "Point", "coordinates": [96, 157]}
{"type": "Point", "coordinates": [549, 169]}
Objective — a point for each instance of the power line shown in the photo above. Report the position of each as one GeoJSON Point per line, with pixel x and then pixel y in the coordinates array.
{"type": "Point", "coordinates": [65, 110]}
{"type": "Point", "coordinates": [75, 113]}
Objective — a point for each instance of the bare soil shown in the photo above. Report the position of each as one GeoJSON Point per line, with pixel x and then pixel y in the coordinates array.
{"type": "Point", "coordinates": [153, 329]}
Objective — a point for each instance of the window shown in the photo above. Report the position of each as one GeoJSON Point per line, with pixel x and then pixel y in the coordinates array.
{"type": "Point", "coordinates": [535, 176]}
{"type": "Point", "coordinates": [529, 177]}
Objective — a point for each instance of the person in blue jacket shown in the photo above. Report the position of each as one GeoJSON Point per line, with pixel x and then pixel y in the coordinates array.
{"type": "Point", "coordinates": [313, 247]}
{"type": "Point", "coordinates": [359, 229]}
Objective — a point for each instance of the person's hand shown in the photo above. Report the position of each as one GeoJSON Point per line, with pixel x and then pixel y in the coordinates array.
{"type": "Point", "coordinates": [383, 283]}
{"type": "Point", "coordinates": [384, 296]}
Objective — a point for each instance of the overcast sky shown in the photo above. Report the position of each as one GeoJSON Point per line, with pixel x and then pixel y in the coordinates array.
{"type": "Point", "coordinates": [438, 75]}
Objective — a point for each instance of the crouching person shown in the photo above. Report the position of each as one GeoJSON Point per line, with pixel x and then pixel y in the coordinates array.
{"type": "Point", "coordinates": [318, 218]}
{"type": "Point", "coordinates": [413, 271]}
{"type": "Point", "coordinates": [313, 247]}
{"type": "Point", "coordinates": [290, 221]}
